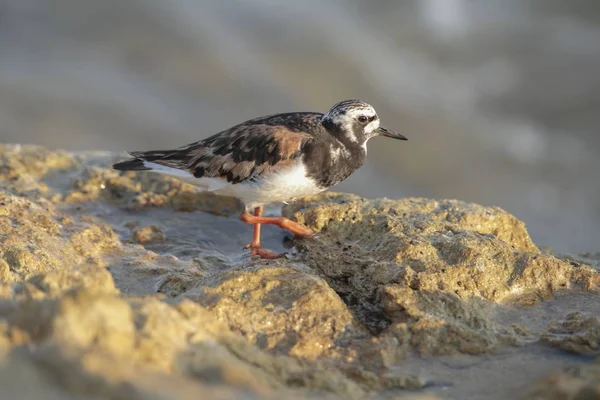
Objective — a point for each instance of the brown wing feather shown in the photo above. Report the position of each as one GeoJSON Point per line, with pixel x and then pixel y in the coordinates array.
{"type": "Point", "coordinates": [241, 153]}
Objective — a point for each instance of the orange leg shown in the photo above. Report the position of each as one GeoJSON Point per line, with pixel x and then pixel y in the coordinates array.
{"type": "Point", "coordinates": [283, 223]}
{"type": "Point", "coordinates": [257, 219]}
{"type": "Point", "coordinates": [254, 246]}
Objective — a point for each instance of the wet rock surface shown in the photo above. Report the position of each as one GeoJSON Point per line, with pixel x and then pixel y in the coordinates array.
{"type": "Point", "coordinates": [135, 286]}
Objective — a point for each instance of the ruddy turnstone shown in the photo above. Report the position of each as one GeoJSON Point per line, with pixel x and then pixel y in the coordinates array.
{"type": "Point", "coordinates": [271, 159]}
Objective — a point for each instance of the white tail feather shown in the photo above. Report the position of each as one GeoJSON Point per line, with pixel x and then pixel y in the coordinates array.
{"type": "Point", "coordinates": [208, 184]}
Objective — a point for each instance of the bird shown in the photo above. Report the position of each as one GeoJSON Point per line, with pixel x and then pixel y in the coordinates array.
{"type": "Point", "coordinates": [272, 159]}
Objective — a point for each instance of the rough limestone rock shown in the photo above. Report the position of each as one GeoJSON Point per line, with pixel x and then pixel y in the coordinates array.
{"type": "Point", "coordinates": [431, 269]}
{"type": "Point", "coordinates": [125, 285]}
{"type": "Point", "coordinates": [577, 333]}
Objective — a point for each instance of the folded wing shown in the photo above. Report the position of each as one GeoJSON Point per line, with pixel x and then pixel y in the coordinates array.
{"type": "Point", "coordinates": [236, 155]}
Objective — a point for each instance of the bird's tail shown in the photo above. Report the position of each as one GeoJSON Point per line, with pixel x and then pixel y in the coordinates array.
{"type": "Point", "coordinates": [134, 164]}
{"type": "Point", "coordinates": [162, 162]}
{"type": "Point", "coordinates": [143, 160]}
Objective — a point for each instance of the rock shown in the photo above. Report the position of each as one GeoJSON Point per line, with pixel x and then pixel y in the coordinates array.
{"type": "Point", "coordinates": [149, 234]}
{"type": "Point", "coordinates": [577, 333]}
{"type": "Point", "coordinates": [286, 309]}
{"type": "Point", "coordinates": [125, 285]}
{"type": "Point", "coordinates": [439, 323]}
{"type": "Point", "coordinates": [432, 265]}
{"type": "Point", "coordinates": [35, 240]}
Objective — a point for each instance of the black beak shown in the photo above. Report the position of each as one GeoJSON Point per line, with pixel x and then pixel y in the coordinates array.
{"type": "Point", "coordinates": [386, 132]}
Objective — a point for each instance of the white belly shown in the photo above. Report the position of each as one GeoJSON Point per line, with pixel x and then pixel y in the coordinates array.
{"type": "Point", "coordinates": [286, 185]}
{"type": "Point", "coordinates": [289, 184]}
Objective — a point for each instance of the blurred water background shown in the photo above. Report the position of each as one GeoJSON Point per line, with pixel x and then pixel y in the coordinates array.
{"type": "Point", "coordinates": [500, 99]}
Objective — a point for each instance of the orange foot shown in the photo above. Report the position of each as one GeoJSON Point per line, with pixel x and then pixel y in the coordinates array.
{"type": "Point", "coordinates": [257, 219]}
{"type": "Point", "coordinates": [256, 250]}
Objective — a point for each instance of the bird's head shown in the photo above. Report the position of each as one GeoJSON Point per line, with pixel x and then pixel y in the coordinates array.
{"type": "Point", "coordinates": [355, 122]}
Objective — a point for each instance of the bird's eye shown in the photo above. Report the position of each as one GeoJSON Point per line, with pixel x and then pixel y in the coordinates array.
{"type": "Point", "coordinates": [363, 119]}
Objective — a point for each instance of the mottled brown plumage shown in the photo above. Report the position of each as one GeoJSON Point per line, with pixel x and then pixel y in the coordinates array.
{"type": "Point", "coordinates": [244, 151]}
